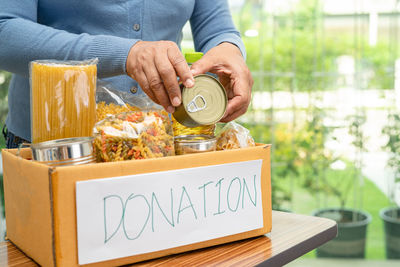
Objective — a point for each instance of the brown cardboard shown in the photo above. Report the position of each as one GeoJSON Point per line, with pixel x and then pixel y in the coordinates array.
{"type": "Point", "coordinates": [28, 207]}
{"type": "Point", "coordinates": [41, 211]}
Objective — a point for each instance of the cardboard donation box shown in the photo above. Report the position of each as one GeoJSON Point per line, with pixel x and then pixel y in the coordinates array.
{"type": "Point", "coordinates": [117, 213]}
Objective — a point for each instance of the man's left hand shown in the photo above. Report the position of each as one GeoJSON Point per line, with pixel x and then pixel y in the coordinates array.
{"type": "Point", "coordinates": [227, 62]}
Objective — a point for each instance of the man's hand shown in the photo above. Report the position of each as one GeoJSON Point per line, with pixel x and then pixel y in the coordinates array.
{"type": "Point", "coordinates": [227, 62]}
{"type": "Point", "coordinates": [155, 66]}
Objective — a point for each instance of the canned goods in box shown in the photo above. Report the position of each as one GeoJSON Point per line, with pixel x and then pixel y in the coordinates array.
{"type": "Point", "coordinates": [203, 104]}
{"type": "Point", "coordinates": [189, 144]}
{"type": "Point", "coordinates": [64, 152]}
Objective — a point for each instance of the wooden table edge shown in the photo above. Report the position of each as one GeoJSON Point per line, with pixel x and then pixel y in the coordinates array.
{"type": "Point", "coordinates": [303, 247]}
{"type": "Point", "coordinates": [284, 257]}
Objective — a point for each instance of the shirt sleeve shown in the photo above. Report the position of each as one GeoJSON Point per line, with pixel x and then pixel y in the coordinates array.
{"type": "Point", "coordinates": [23, 39]}
{"type": "Point", "coordinates": [212, 24]}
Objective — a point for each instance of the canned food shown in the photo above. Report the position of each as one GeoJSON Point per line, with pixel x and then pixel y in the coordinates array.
{"type": "Point", "coordinates": [63, 152]}
{"type": "Point", "coordinates": [189, 144]}
{"type": "Point", "coordinates": [203, 104]}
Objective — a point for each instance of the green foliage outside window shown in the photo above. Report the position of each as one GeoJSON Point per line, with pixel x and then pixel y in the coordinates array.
{"type": "Point", "coordinates": [5, 78]}
{"type": "Point", "coordinates": [298, 42]}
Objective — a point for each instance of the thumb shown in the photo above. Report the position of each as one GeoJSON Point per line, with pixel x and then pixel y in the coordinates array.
{"type": "Point", "coordinates": [203, 65]}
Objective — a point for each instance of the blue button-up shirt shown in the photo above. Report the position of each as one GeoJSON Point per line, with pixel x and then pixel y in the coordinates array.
{"type": "Point", "coordinates": [106, 29]}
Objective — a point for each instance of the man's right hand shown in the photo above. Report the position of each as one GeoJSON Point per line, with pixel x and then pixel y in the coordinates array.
{"type": "Point", "coordinates": [156, 67]}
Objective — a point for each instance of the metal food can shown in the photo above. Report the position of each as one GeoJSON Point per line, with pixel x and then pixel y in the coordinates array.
{"type": "Point", "coordinates": [203, 104]}
{"type": "Point", "coordinates": [64, 152]}
{"type": "Point", "coordinates": [189, 144]}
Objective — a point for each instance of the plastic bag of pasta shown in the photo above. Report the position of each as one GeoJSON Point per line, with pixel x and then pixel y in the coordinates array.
{"type": "Point", "coordinates": [110, 101]}
{"type": "Point", "coordinates": [62, 99]}
{"type": "Point", "coordinates": [134, 135]}
{"type": "Point", "coordinates": [234, 135]}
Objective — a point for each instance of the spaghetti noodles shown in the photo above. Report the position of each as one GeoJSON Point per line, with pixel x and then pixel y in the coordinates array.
{"type": "Point", "coordinates": [62, 99]}
{"type": "Point", "coordinates": [181, 130]}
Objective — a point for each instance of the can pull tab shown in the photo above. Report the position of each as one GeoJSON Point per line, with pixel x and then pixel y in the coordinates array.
{"type": "Point", "coordinates": [195, 106]}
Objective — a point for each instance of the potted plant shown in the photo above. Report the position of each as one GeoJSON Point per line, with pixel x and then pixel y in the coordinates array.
{"type": "Point", "coordinates": [352, 223]}
{"type": "Point", "coordinates": [391, 215]}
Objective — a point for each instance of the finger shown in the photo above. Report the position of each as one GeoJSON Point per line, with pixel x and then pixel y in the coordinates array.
{"type": "Point", "coordinates": [140, 77]}
{"type": "Point", "coordinates": [203, 65]}
{"type": "Point", "coordinates": [168, 76]}
{"type": "Point", "coordinates": [157, 87]}
{"type": "Point", "coordinates": [234, 104]}
{"type": "Point", "coordinates": [231, 116]}
{"type": "Point", "coordinates": [234, 116]}
{"type": "Point", "coordinates": [240, 101]}
{"type": "Point", "coordinates": [181, 67]}
{"type": "Point", "coordinates": [226, 83]}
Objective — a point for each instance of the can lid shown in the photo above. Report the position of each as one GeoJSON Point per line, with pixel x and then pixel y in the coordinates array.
{"type": "Point", "coordinates": [192, 57]}
{"type": "Point", "coordinates": [205, 103]}
{"type": "Point", "coordinates": [62, 142]}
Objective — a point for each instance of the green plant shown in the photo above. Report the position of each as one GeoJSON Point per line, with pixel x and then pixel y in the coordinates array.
{"type": "Point", "coordinates": [297, 36]}
{"type": "Point", "coordinates": [315, 157]}
{"type": "Point", "coordinates": [286, 164]}
{"type": "Point", "coordinates": [355, 130]}
{"type": "Point", "coordinates": [5, 78]}
{"type": "Point", "coordinates": [392, 131]}
{"type": "Point", "coordinates": [284, 160]}
{"type": "Point", "coordinates": [341, 186]}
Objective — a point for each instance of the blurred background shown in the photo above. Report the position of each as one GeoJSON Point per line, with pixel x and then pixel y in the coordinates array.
{"type": "Point", "coordinates": [327, 97]}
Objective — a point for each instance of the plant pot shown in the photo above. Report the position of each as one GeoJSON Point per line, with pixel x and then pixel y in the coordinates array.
{"type": "Point", "coordinates": [352, 232]}
{"type": "Point", "coordinates": [391, 219]}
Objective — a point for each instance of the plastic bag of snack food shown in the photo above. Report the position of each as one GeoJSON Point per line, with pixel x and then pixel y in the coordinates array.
{"type": "Point", "coordinates": [111, 101]}
{"type": "Point", "coordinates": [134, 135]}
{"type": "Point", "coordinates": [62, 99]}
{"type": "Point", "coordinates": [234, 135]}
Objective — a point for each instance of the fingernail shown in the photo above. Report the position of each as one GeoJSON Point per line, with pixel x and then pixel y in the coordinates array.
{"type": "Point", "coordinates": [193, 71]}
{"type": "Point", "coordinates": [176, 101]}
{"type": "Point", "coordinates": [189, 83]}
{"type": "Point", "coordinates": [170, 109]}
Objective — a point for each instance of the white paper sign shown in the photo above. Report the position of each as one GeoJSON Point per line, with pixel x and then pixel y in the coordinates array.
{"type": "Point", "coordinates": [130, 215]}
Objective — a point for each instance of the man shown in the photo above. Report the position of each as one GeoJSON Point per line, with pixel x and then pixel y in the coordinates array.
{"type": "Point", "coordinates": [136, 42]}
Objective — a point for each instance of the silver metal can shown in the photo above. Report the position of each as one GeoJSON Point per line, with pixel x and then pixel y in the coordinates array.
{"type": "Point", "coordinates": [189, 144]}
{"type": "Point", "coordinates": [64, 152]}
{"type": "Point", "coordinates": [203, 104]}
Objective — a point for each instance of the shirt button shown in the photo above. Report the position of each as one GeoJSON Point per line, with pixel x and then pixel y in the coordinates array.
{"type": "Point", "coordinates": [136, 27]}
{"type": "Point", "coordinates": [134, 89]}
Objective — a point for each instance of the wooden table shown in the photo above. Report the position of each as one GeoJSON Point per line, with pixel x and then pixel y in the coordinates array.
{"type": "Point", "coordinates": [292, 236]}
